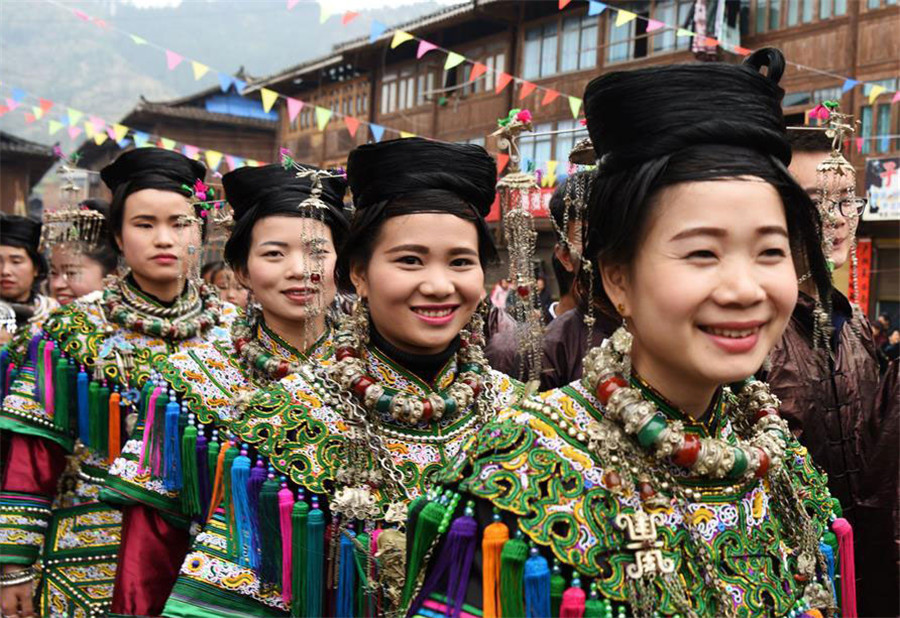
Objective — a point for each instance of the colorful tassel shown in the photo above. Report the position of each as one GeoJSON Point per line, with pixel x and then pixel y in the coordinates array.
{"type": "Point", "coordinates": [93, 414]}
{"type": "Point", "coordinates": [190, 474]}
{"type": "Point", "coordinates": [171, 470]}
{"type": "Point", "coordinates": [595, 607]}
{"type": "Point", "coordinates": [258, 476]}
{"type": "Point", "coordinates": [454, 563]}
{"type": "Point", "coordinates": [299, 516]}
{"type": "Point", "coordinates": [149, 421]}
{"type": "Point", "coordinates": [4, 370]}
{"type": "Point", "coordinates": [512, 572]}
{"type": "Point", "coordinates": [114, 428]}
{"type": "Point", "coordinates": [315, 559]}
{"type": "Point", "coordinates": [346, 584]}
{"type": "Point", "coordinates": [364, 597]}
{"type": "Point", "coordinates": [285, 509]}
{"type": "Point", "coordinates": [493, 539]}
{"type": "Point", "coordinates": [231, 454]}
{"type": "Point", "coordinates": [47, 377]}
{"type": "Point", "coordinates": [573, 601]}
{"type": "Point", "coordinates": [204, 484]}
{"type": "Point", "coordinates": [844, 532]}
{"type": "Point", "coordinates": [158, 434]}
{"type": "Point", "coordinates": [218, 467]}
{"type": "Point", "coordinates": [8, 372]}
{"type": "Point", "coordinates": [830, 563]}
{"type": "Point", "coordinates": [37, 362]}
{"type": "Point", "coordinates": [212, 457]}
{"type": "Point", "coordinates": [102, 445]}
{"type": "Point", "coordinates": [423, 533]}
{"type": "Point", "coordinates": [61, 418]}
{"type": "Point", "coordinates": [240, 475]}
{"type": "Point", "coordinates": [557, 588]}
{"type": "Point", "coordinates": [537, 585]}
{"type": "Point", "coordinates": [269, 531]}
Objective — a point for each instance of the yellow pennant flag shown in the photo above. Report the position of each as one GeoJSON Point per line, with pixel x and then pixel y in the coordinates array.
{"type": "Point", "coordinates": [74, 116]}
{"type": "Point", "coordinates": [453, 59]}
{"type": "Point", "coordinates": [550, 178]}
{"type": "Point", "coordinates": [325, 11]}
{"type": "Point", "coordinates": [199, 69]}
{"type": "Point", "coordinates": [874, 93]}
{"type": "Point", "coordinates": [405, 134]}
{"type": "Point", "coordinates": [400, 37]}
{"type": "Point", "coordinates": [683, 32]}
{"type": "Point", "coordinates": [120, 131]}
{"type": "Point", "coordinates": [624, 17]}
{"type": "Point", "coordinates": [168, 144]}
{"type": "Point", "coordinates": [138, 40]}
{"type": "Point", "coordinates": [323, 115]}
{"type": "Point", "coordinates": [54, 126]}
{"type": "Point", "coordinates": [38, 112]}
{"type": "Point", "coordinates": [89, 130]}
{"type": "Point", "coordinates": [268, 98]}
{"type": "Point", "coordinates": [213, 158]}
{"type": "Point", "coordinates": [575, 106]}
{"type": "Point", "coordinates": [100, 137]}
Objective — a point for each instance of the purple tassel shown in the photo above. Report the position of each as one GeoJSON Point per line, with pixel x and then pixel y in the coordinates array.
{"type": "Point", "coordinates": [33, 350]}
{"type": "Point", "coordinates": [455, 563]}
{"type": "Point", "coordinates": [203, 469]}
{"type": "Point", "coordinates": [258, 476]}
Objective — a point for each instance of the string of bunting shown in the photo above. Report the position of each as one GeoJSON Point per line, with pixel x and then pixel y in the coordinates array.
{"type": "Point", "coordinates": [268, 97]}
{"type": "Point", "coordinates": [95, 128]}
{"type": "Point", "coordinates": [595, 8]}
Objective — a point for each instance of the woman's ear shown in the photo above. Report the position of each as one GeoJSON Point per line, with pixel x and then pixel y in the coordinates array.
{"type": "Point", "coordinates": [242, 277]}
{"type": "Point", "coordinates": [358, 278]}
{"type": "Point", "coordinates": [616, 286]}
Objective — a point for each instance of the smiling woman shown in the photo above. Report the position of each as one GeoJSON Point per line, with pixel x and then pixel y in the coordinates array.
{"type": "Point", "coordinates": [664, 482]}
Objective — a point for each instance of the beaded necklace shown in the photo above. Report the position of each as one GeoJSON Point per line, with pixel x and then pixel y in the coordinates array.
{"type": "Point", "coordinates": [264, 364]}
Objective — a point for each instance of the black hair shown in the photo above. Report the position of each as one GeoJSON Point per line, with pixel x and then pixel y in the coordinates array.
{"type": "Point", "coordinates": [808, 140]}
{"type": "Point", "coordinates": [212, 269]}
{"type": "Point", "coordinates": [41, 268]}
{"type": "Point", "coordinates": [117, 212]}
{"type": "Point", "coordinates": [564, 278]}
{"type": "Point", "coordinates": [104, 253]}
{"type": "Point", "coordinates": [367, 223]}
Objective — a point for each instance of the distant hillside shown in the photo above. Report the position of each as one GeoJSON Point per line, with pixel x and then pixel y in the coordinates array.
{"type": "Point", "coordinates": [49, 53]}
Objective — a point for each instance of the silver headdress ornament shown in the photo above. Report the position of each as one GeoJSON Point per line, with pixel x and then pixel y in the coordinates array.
{"type": "Point", "coordinates": [72, 225]}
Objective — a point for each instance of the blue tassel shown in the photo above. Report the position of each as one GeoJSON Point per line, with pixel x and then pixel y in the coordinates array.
{"type": "Point", "coordinates": [172, 447]}
{"type": "Point", "coordinates": [346, 577]}
{"type": "Point", "coordinates": [828, 553]}
{"type": "Point", "coordinates": [4, 364]}
{"type": "Point", "coordinates": [240, 474]}
{"type": "Point", "coordinates": [315, 559]}
{"type": "Point", "coordinates": [84, 409]}
{"type": "Point", "coordinates": [537, 585]}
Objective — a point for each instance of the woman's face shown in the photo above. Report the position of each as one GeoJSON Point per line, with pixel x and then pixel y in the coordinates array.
{"type": "Point", "coordinates": [158, 228]}
{"type": "Point", "coordinates": [73, 274]}
{"type": "Point", "coordinates": [712, 286]}
{"type": "Point", "coordinates": [290, 269]}
{"type": "Point", "coordinates": [230, 289]}
{"type": "Point", "coordinates": [423, 281]}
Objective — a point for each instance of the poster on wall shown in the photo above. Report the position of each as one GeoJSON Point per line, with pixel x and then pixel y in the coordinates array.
{"type": "Point", "coordinates": [883, 189]}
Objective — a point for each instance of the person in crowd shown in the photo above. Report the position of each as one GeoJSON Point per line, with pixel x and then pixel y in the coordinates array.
{"type": "Point", "coordinates": [86, 379]}
{"type": "Point", "coordinates": [500, 292]}
{"type": "Point", "coordinates": [664, 482]}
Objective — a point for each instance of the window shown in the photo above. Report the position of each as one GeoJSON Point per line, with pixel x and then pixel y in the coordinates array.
{"type": "Point", "coordinates": [827, 94]}
{"type": "Point", "coordinates": [630, 40]}
{"type": "Point", "coordinates": [807, 12]}
{"type": "Point", "coordinates": [796, 98]}
{"type": "Point", "coordinates": [425, 84]}
{"type": "Point", "coordinates": [566, 141]}
{"type": "Point", "coordinates": [496, 64]}
{"type": "Point", "coordinates": [775, 14]}
{"type": "Point", "coordinates": [884, 128]}
{"type": "Point", "coordinates": [865, 131]}
{"type": "Point", "coordinates": [478, 141]}
{"type": "Point", "coordinates": [832, 8]}
{"type": "Point", "coordinates": [560, 46]}
{"type": "Point", "coordinates": [399, 88]}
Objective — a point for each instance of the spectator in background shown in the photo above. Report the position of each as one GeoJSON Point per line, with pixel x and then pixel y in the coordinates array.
{"type": "Point", "coordinates": [881, 328]}
{"type": "Point", "coordinates": [499, 293]}
{"type": "Point", "coordinates": [565, 279]}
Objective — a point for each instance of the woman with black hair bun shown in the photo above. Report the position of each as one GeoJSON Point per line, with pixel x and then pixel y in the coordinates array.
{"type": "Point", "coordinates": [86, 380]}
{"type": "Point", "coordinates": [315, 526]}
{"type": "Point", "coordinates": [663, 482]}
{"type": "Point", "coordinates": [287, 223]}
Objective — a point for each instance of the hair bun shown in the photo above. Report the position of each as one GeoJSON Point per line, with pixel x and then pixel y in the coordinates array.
{"type": "Point", "coordinates": [153, 168]}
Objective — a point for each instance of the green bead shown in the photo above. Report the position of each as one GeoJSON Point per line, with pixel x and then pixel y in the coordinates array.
{"type": "Point", "coordinates": [384, 403]}
{"type": "Point", "coordinates": [740, 463]}
{"type": "Point", "coordinates": [648, 433]}
{"type": "Point", "coordinates": [155, 328]}
{"type": "Point", "coordinates": [449, 406]}
{"type": "Point", "coordinates": [261, 361]}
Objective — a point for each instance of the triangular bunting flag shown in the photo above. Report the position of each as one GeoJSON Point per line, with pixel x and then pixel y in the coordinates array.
{"type": "Point", "coordinates": [100, 138]}
{"type": "Point", "coordinates": [575, 106]}
{"type": "Point", "coordinates": [29, 117]}
{"type": "Point", "coordinates": [45, 105]}
{"type": "Point", "coordinates": [140, 138]}
{"type": "Point", "coordinates": [376, 31]}
{"type": "Point", "coordinates": [710, 42]}
{"type": "Point", "coordinates": [173, 59]}
{"type": "Point", "coordinates": [527, 89]}
{"type": "Point", "coordinates": [294, 106]}
{"type": "Point", "coordinates": [502, 161]}
{"type": "Point", "coordinates": [191, 152]}
{"type": "Point", "coordinates": [213, 159]}
{"type": "Point", "coordinates": [550, 178]}
{"type": "Point", "coordinates": [502, 81]}
{"type": "Point", "coordinates": [624, 17]}
{"type": "Point", "coordinates": [229, 160]}
{"type": "Point", "coordinates": [595, 8]}
{"type": "Point", "coordinates": [4, 109]}
{"type": "Point", "coordinates": [54, 126]}
{"type": "Point", "coordinates": [225, 81]}
{"type": "Point", "coordinates": [683, 32]}
{"type": "Point", "coordinates": [119, 132]}
{"type": "Point", "coordinates": [37, 112]}
{"type": "Point", "coordinates": [325, 11]}
{"type": "Point", "coordinates": [138, 40]}
{"type": "Point", "coordinates": [110, 133]}
{"type": "Point", "coordinates": [741, 50]}
{"type": "Point", "coordinates": [875, 92]}
{"type": "Point", "coordinates": [400, 37]}
{"type": "Point", "coordinates": [238, 162]}
{"type": "Point", "coordinates": [652, 25]}
{"type": "Point", "coordinates": [549, 96]}
{"type": "Point", "coordinates": [896, 97]}
{"type": "Point", "coordinates": [323, 115]}
{"type": "Point", "coordinates": [291, 4]}
{"type": "Point", "coordinates": [352, 124]}
{"type": "Point", "coordinates": [18, 95]}
{"type": "Point", "coordinates": [268, 98]}
{"type": "Point", "coordinates": [406, 134]}
{"type": "Point", "coordinates": [377, 131]}
{"type": "Point", "coordinates": [74, 132]}
{"type": "Point", "coordinates": [424, 48]}
{"type": "Point", "coordinates": [81, 15]}
{"type": "Point", "coordinates": [348, 17]}
{"type": "Point", "coordinates": [453, 60]}
{"type": "Point", "coordinates": [89, 130]}
{"type": "Point", "coordinates": [199, 69]}
{"type": "Point", "coordinates": [168, 144]}
{"type": "Point", "coordinates": [239, 84]}
{"type": "Point", "coordinates": [11, 104]}
{"type": "Point", "coordinates": [859, 144]}
{"type": "Point", "coordinates": [99, 123]}
{"type": "Point", "coordinates": [849, 84]}
{"type": "Point", "coordinates": [478, 69]}
{"type": "Point", "coordinates": [563, 4]}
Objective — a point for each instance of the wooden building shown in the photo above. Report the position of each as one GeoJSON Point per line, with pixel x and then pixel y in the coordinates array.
{"type": "Point", "coordinates": [22, 164]}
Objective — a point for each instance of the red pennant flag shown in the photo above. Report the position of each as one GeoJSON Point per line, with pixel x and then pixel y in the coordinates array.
{"type": "Point", "coordinates": [859, 140]}
{"type": "Point", "coordinates": [478, 70]}
{"type": "Point", "coordinates": [502, 162]}
{"type": "Point", "coordinates": [3, 110]}
{"type": "Point", "coordinates": [503, 81]}
{"type": "Point", "coordinates": [742, 50]}
{"type": "Point", "coordinates": [527, 88]}
{"type": "Point", "coordinates": [549, 96]}
{"type": "Point", "coordinates": [29, 117]}
{"type": "Point", "coordinates": [45, 105]}
{"type": "Point", "coordinates": [711, 42]}
{"type": "Point", "coordinates": [563, 4]}
{"type": "Point", "coordinates": [352, 124]}
{"type": "Point", "coordinates": [100, 23]}
{"type": "Point", "coordinates": [348, 17]}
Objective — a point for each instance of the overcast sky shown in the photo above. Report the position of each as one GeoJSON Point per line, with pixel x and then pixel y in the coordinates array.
{"type": "Point", "coordinates": [337, 6]}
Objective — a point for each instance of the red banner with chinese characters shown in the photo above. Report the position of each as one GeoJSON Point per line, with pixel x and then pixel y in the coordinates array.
{"type": "Point", "coordinates": [860, 296]}
{"type": "Point", "coordinates": [542, 211]}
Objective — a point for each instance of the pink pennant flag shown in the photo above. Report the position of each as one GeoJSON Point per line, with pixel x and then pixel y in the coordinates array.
{"type": "Point", "coordinates": [502, 81]}
{"type": "Point", "coordinates": [3, 110]}
{"type": "Point", "coordinates": [896, 97]}
{"type": "Point", "coordinates": [859, 144]}
{"type": "Point", "coordinates": [352, 124]}
{"type": "Point", "coordinates": [191, 152]}
{"type": "Point", "coordinates": [291, 4]}
{"type": "Point", "coordinates": [98, 123]}
{"type": "Point", "coordinates": [111, 132]}
{"type": "Point", "coordinates": [652, 25]}
{"type": "Point", "coordinates": [294, 106]}
{"type": "Point", "coordinates": [230, 161]}
{"type": "Point", "coordinates": [424, 48]}
{"type": "Point", "coordinates": [563, 4]}
{"type": "Point", "coordinates": [711, 42]}
{"type": "Point", "coordinates": [348, 17]}
{"type": "Point", "coordinates": [74, 132]}
{"type": "Point", "coordinates": [29, 117]}
{"type": "Point", "coordinates": [527, 89]}
{"type": "Point", "coordinates": [100, 23]}
{"type": "Point", "coordinates": [81, 15]}
{"type": "Point", "coordinates": [173, 59]}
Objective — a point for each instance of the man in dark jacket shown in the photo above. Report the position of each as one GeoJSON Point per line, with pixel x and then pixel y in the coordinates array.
{"type": "Point", "coordinates": [828, 388]}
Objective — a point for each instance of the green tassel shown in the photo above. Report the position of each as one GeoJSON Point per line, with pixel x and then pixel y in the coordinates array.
{"type": "Point", "coordinates": [102, 447]}
{"type": "Point", "coordinates": [298, 557]}
{"type": "Point", "coordinates": [190, 482]}
{"type": "Point", "coordinates": [270, 531]}
{"type": "Point", "coordinates": [94, 415]}
{"type": "Point", "coordinates": [230, 455]}
{"type": "Point", "coordinates": [362, 564]}
{"type": "Point", "coordinates": [557, 588]}
{"type": "Point", "coordinates": [61, 396]}
{"type": "Point", "coordinates": [512, 574]}
{"type": "Point", "coordinates": [594, 607]}
{"type": "Point", "coordinates": [422, 535]}
{"type": "Point", "coordinates": [40, 370]}
{"type": "Point", "coordinates": [212, 457]}
{"type": "Point", "coordinates": [315, 560]}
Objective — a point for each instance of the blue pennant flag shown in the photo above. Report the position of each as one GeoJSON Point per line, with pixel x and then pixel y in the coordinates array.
{"type": "Point", "coordinates": [849, 84]}
{"type": "Point", "coordinates": [141, 138]}
{"type": "Point", "coordinates": [377, 131]}
{"type": "Point", "coordinates": [225, 81]}
{"type": "Point", "coordinates": [595, 8]}
{"type": "Point", "coordinates": [378, 29]}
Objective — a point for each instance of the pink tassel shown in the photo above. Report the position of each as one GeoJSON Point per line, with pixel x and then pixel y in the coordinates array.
{"type": "Point", "coordinates": [148, 423]}
{"type": "Point", "coordinates": [8, 377]}
{"type": "Point", "coordinates": [48, 378]}
{"type": "Point", "coordinates": [844, 532]}
{"type": "Point", "coordinates": [573, 601]}
{"type": "Point", "coordinates": [285, 508]}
